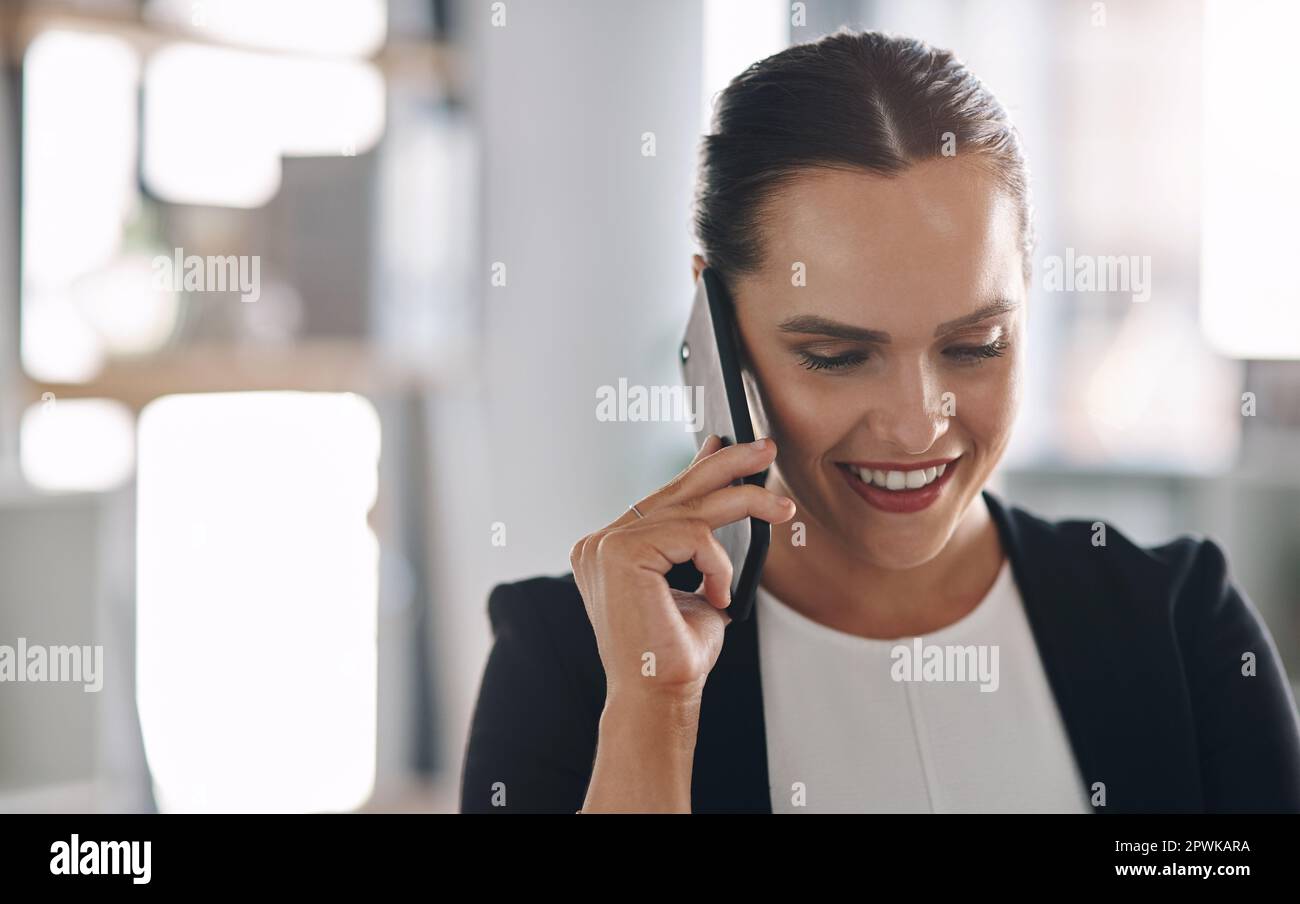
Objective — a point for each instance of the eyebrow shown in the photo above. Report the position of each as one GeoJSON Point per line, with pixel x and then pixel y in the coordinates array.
{"type": "Point", "coordinates": [813, 324]}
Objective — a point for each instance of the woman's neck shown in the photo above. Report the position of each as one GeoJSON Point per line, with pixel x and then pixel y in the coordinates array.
{"type": "Point", "coordinates": [824, 582]}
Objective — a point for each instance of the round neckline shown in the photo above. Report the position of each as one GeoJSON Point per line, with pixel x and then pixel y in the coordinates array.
{"type": "Point", "coordinates": [1002, 584]}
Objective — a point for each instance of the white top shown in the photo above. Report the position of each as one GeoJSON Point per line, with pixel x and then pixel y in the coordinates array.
{"type": "Point", "coordinates": [860, 741]}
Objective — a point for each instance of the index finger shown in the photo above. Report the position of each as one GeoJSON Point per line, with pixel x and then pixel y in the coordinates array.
{"type": "Point", "coordinates": [713, 472]}
{"type": "Point", "coordinates": [712, 443]}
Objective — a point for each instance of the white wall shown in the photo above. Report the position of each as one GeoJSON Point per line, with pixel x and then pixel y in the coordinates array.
{"type": "Point", "coordinates": [596, 242]}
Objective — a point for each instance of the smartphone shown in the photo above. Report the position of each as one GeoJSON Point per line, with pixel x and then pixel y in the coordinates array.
{"type": "Point", "coordinates": [711, 360]}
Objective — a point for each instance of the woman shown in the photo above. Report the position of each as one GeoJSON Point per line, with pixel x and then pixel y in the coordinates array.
{"type": "Point", "coordinates": [865, 200]}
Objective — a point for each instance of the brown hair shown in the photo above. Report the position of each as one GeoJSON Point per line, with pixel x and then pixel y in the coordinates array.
{"type": "Point", "coordinates": [863, 100]}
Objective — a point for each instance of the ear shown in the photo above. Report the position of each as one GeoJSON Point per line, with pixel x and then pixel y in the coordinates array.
{"type": "Point", "coordinates": [697, 267]}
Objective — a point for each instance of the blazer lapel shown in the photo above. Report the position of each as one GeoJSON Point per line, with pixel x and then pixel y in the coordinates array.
{"type": "Point", "coordinates": [731, 749]}
{"type": "Point", "coordinates": [730, 772]}
{"type": "Point", "coordinates": [1111, 666]}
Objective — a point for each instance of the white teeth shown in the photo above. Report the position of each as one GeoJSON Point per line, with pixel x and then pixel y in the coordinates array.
{"type": "Point", "coordinates": [901, 480]}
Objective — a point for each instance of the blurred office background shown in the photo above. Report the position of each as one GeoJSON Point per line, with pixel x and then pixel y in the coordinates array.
{"type": "Point", "coordinates": [280, 511]}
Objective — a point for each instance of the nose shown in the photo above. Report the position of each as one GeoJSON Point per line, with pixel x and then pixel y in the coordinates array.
{"type": "Point", "coordinates": [907, 411]}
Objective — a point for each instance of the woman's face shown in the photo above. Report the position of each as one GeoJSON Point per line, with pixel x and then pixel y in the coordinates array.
{"type": "Point", "coordinates": [901, 351]}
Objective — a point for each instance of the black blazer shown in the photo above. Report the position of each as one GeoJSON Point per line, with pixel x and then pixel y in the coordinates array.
{"type": "Point", "coordinates": [1143, 649]}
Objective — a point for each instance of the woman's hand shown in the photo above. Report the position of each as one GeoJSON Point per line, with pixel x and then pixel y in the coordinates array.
{"type": "Point", "coordinates": [658, 644]}
{"type": "Point", "coordinates": [654, 640]}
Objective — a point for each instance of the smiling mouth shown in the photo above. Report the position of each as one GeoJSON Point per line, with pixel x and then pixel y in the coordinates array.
{"type": "Point", "coordinates": [900, 490]}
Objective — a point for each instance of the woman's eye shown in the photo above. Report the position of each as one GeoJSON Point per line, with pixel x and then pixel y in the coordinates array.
{"type": "Point", "coordinates": [972, 353]}
{"type": "Point", "coordinates": [833, 362]}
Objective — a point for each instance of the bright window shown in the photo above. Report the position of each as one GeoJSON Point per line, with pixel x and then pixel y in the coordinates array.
{"type": "Point", "coordinates": [257, 600]}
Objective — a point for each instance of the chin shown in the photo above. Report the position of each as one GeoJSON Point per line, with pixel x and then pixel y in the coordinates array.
{"type": "Point", "coordinates": [901, 551]}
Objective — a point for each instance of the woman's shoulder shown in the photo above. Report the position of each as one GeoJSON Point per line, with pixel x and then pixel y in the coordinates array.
{"type": "Point", "coordinates": [550, 597]}
{"type": "Point", "coordinates": [1169, 647]}
{"type": "Point", "coordinates": [1184, 571]}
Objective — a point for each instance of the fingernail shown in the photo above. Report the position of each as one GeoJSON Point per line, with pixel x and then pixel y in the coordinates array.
{"type": "Point", "coordinates": [760, 443]}
{"type": "Point", "coordinates": [699, 453]}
